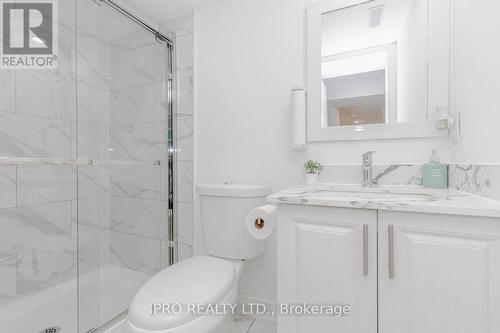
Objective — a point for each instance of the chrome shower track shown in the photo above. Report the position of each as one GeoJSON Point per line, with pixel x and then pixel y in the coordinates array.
{"type": "Point", "coordinates": [158, 35]}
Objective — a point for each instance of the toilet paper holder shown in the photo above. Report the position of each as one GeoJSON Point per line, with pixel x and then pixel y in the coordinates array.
{"type": "Point", "coordinates": [259, 223]}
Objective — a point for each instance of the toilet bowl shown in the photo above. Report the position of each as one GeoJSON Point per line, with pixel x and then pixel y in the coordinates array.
{"type": "Point", "coordinates": [179, 289]}
{"type": "Point", "coordinates": [197, 295]}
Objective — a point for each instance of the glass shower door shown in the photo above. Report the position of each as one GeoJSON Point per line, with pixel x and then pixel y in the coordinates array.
{"type": "Point", "coordinates": [85, 174]}
{"type": "Point", "coordinates": [123, 131]}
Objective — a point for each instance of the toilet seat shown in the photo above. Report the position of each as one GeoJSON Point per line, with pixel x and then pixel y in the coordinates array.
{"type": "Point", "coordinates": [198, 280]}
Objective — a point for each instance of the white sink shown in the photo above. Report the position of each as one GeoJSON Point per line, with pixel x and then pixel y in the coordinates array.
{"type": "Point", "coordinates": [386, 193]}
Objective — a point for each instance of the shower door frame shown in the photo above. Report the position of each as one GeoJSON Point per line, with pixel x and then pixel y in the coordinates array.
{"type": "Point", "coordinates": [171, 148]}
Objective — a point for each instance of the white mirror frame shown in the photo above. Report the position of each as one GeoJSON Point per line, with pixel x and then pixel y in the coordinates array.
{"type": "Point", "coordinates": [342, 133]}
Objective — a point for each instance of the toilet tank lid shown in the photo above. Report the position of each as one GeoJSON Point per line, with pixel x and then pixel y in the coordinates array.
{"type": "Point", "coordinates": [233, 190]}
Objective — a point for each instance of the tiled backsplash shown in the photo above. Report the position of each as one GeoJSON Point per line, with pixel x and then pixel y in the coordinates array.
{"type": "Point", "coordinates": [393, 174]}
{"type": "Point", "coordinates": [480, 179]}
{"type": "Point", "coordinates": [476, 179]}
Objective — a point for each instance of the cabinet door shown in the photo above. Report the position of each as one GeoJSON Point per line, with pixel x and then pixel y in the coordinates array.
{"type": "Point", "coordinates": [438, 274]}
{"type": "Point", "coordinates": [327, 256]}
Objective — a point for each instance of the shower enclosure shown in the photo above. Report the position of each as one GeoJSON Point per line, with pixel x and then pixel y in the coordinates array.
{"type": "Point", "coordinates": [86, 172]}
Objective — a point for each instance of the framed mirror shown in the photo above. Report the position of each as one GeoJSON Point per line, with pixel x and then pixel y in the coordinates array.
{"type": "Point", "coordinates": [377, 69]}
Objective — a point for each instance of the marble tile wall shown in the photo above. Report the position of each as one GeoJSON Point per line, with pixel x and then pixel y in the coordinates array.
{"type": "Point", "coordinates": [183, 28]}
{"type": "Point", "coordinates": [38, 120]}
{"type": "Point", "coordinates": [91, 208]}
{"type": "Point", "coordinates": [36, 229]}
{"type": "Point", "coordinates": [122, 206]}
{"type": "Point", "coordinates": [105, 102]}
{"type": "Point", "coordinates": [37, 250]}
{"type": "Point", "coordinates": [138, 132]}
{"type": "Point", "coordinates": [121, 209]}
{"type": "Point", "coordinates": [8, 276]}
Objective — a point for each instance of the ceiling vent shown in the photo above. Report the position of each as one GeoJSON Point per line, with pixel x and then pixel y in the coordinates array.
{"type": "Point", "coordinates": [375, 17]}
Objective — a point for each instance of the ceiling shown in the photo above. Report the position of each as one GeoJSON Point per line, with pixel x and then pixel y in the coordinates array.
{"type": "Point", "coordinates": [162, 10]}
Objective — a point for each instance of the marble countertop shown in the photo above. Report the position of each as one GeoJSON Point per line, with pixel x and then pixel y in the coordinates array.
{"type": "Point", "coordinates": [394, 198]}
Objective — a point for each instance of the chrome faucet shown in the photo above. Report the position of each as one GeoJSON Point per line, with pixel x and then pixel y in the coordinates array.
{"type": "Point", "coordinates": [367, 169]}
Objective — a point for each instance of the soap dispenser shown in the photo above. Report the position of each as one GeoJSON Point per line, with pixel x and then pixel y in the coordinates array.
{"type": "Point", "coordinates": [435, 173]}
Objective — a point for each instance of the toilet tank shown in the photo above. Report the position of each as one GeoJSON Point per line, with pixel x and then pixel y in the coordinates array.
{"type": "Point", "coordinates": [223, 209]}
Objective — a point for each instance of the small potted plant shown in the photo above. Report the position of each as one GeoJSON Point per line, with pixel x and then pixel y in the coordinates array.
{"type": "Point", "coordinates": [313, 169]}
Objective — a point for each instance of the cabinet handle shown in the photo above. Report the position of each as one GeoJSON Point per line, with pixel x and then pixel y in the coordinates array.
{"type": "Point", "coordinates": [391, 251]}
{"type": "Point", "coordinates": [365, 249]}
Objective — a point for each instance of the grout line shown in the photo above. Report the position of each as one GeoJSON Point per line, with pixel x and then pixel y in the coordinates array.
{"type": "Point", "coordinates": [142, 236]}
{"type": "Point", "coordinates": [38, 204]}
{"type": "Point", "coordinates": [25, 114]}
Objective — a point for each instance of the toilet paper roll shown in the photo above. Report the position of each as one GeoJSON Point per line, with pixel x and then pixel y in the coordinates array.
{"type": "Point", "coordinates": [261, 221]}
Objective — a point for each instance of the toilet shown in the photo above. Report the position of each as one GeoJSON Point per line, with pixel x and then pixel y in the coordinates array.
{"type": "Point", "coordinates": [212, 279]}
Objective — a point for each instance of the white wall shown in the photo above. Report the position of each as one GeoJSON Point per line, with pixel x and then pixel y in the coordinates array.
{"type": "Point", "coordinates": [476, 77]}
{"type": "Point", "coordinates": [249, 54]}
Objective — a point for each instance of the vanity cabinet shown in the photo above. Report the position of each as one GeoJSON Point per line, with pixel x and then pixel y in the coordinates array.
{"type": "Point", "coordinates": [325, 256]}
{"type": "Point", "coordinates": [438, 273]}
{"type": "Point", "coordinates": [401, 272]}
